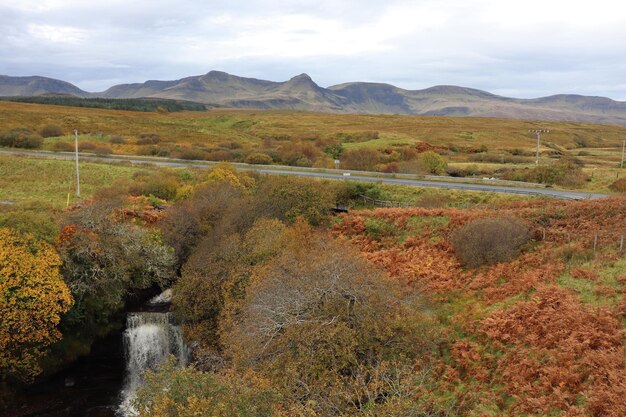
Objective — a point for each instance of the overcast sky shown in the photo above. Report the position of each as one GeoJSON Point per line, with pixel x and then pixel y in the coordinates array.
{"type": "Point", "coordinates": [522, 48]}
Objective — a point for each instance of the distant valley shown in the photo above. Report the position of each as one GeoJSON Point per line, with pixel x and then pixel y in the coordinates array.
{"type": "Point", "coordinates": [302, 93]}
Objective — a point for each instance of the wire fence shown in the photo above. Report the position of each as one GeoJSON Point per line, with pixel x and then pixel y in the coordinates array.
{"type": "Point", "coordinates": [368, 201]}
{"type": "Point", "coordinates": [594, 240]}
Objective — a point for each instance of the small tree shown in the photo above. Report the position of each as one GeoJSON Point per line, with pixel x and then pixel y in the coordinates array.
{"type": "Point", "coordinates": [490, 240]}
{"type": "Point", "coordinates": [320, 323]}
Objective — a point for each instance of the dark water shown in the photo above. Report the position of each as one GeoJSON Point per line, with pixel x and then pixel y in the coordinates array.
{"type": "Point", "coordinates": [96, 379]}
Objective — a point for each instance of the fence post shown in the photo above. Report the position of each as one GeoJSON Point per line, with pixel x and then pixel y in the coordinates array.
{"type": "Point", "coordinates": [621, 244]}
{"type": "Point", "coordinates": [595, 241]}
{"type": "Point", "coordinates": [544, 234]}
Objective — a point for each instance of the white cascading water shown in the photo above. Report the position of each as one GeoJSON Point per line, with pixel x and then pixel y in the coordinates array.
{"type": "Point", "coordinates": [149, 339]}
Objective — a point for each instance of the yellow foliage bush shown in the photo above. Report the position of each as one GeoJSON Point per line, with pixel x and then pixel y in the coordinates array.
{"type": "Point", "coordinates": [33, 296]}
{"type": "Point", "coordinates": [227, 173]}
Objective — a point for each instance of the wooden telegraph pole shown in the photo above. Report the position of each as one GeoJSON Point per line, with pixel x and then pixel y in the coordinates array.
{"type": "Point", "coordinates": [77, 173]}
{"type": "Point", "coordinates": [538, 132]}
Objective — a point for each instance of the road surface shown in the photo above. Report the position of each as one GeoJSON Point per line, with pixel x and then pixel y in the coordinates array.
{"type": "Point", "coordinates": [329, 174]}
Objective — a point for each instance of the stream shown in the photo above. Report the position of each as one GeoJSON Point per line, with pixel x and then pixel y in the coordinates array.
{"type": "Point", "coordinates": [104, 383]}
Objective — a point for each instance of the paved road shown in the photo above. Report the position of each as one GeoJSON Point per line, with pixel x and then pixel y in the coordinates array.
{"type": "Point", "coordinates": [330, 174]}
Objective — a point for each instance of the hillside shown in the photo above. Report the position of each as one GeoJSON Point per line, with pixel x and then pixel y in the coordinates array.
{"type": "Point", "coordinates": [36, 86]}
{"type": "Point", "coordinates": [541, 334]}
{"type": "Point", "coordinates": [302, 93]}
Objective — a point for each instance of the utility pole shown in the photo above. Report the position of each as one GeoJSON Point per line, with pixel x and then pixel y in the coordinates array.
{"type": "Point", "coordinates": [538, 132]}
{"type": "Point", "coordinates": [76, 153]}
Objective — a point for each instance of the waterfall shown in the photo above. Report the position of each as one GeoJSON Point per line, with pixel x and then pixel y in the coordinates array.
{"type": "Point", "coordinates": [148, 341]}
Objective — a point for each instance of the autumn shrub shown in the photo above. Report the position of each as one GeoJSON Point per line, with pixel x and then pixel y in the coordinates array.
{"type": "Point", "coordinates": [106, 258]}
{"type": "Point", "coordinates": [231, 145]}
{"type": "Point", "coordinates": [490, 240]}
{"type": "Point", "coordinates": [186, 392]}
{"type": "Point", "coordinates": [220, 155]}
{"type": "Point", "coordinates": [619, 186]}
{"type": "Point", "coordinates": [63, 146]}
{"type": "Point", "coordinates": [117, 140]}
{"type": "Point", "coordinates": [364, 159]}
{"type": "Point", "coordinates": [102, 150]}
{"type": "Point", "coordinates": [153, 150]}
{"type": "Point", "coordinates": [189, 221]}
{"type": "Point", "coordinates": [33, 297]}
{"type": "Point", "coordinates": [303, 154]}
{"type": "Point", "coordinates": [217, 273]}
{"type": "Point", "coordinates": [287, 198]}
{"type": "Point", "coordinates": [258, 158]}
{"type": "Point", "coordinates": [190, 154]}
{"type": "Point", "coordinates": [21, 138]}
{"type": "Point", "coordinates": [51, 131]}
{"type": "Point", "coordinates": [323, 326]}
{"type": "Point", "coordinates": [86, 146]}
{"type": "Point", "coordinates": [160, 185]}
{"type": "Point", "coordinates": [148, 138]}
{"type": "Point", "coordinates": [391, 168]}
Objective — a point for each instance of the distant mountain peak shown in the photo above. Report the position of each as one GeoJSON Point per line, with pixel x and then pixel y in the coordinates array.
{"type": "Point", "coordinates": [302, 93]}
{"type": "Point", "coordinates": [217, 75]}
{"type": "Point", "coordinates": [302, 77]}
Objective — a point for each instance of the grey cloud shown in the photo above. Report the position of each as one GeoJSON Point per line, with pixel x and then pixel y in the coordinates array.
{"type": "Point", "coordinates": [165, 39]}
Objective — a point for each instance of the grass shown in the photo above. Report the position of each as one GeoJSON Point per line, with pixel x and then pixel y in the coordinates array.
{"type": "Point", "coordinates": [215, 131]}
{"type": "Point", "coordinates": [444, 198]}
{"type": "Point", "coordinates": [605, 291]}
{"type": "Point", "coordinates": [26, 179]}
{"type": "Point", "coordinates": [252, 126]}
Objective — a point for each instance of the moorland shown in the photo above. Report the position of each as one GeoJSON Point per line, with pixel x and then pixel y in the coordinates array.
{"type": "Point", "coordinates": [463, 304]}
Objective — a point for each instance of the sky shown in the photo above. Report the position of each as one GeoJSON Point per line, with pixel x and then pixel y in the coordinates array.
{"type": "Point", "coordinates": [527, 48]}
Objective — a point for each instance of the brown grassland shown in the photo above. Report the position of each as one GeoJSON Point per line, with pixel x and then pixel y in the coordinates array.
{"type": "Point", "coordinates": [252, 127]}
{"type": "Point", "coordinates": [470, 147]}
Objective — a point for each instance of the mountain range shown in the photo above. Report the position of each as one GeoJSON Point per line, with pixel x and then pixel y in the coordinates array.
{"type": "Point", "coordinates": [302, 93]}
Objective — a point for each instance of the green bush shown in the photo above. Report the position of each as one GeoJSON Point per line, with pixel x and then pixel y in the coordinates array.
{"type": "Point", "coordinates": [160, 186]}
{"type": "Point", "coordinates": [196, 393]}
{"type": "Point", "coordinates": [434, 163]}
{"type": "Point", "coordinates": [567, 173]}
{"type": "Point", "coordinates": [377, 228]}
